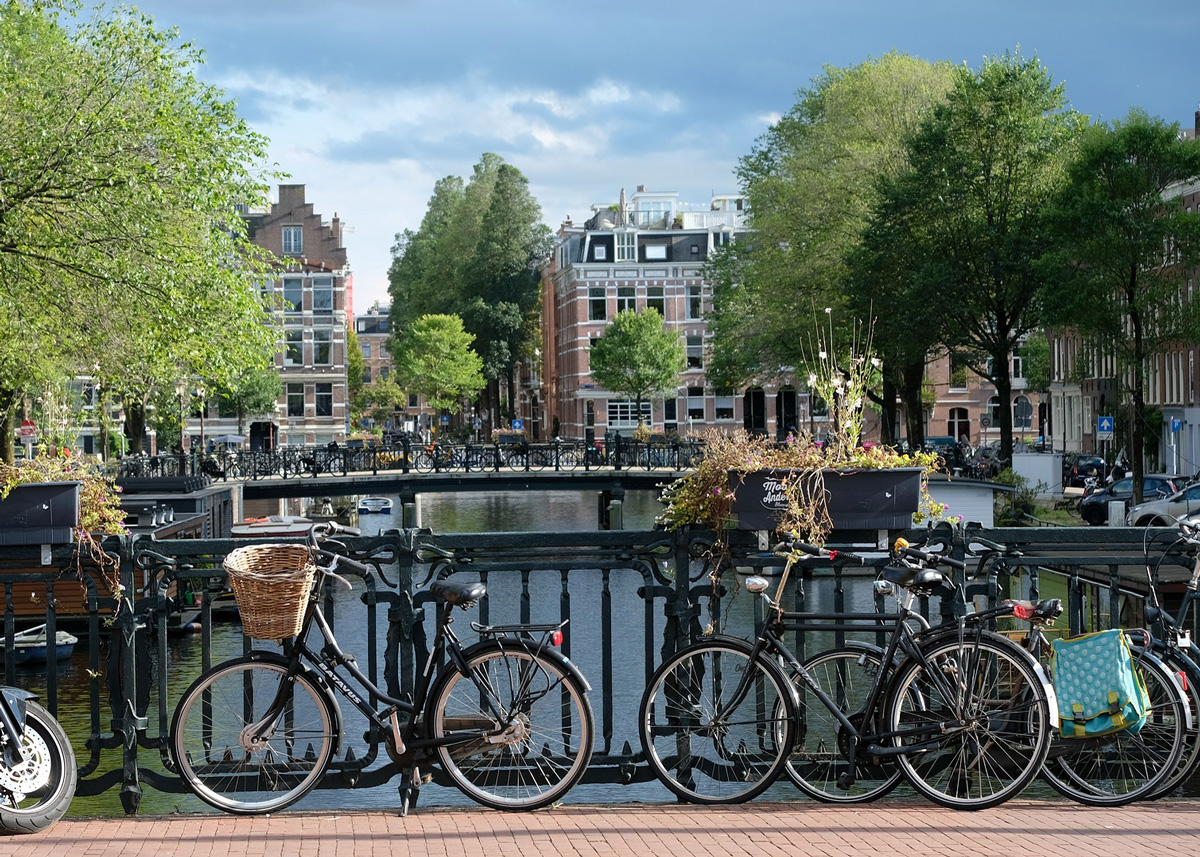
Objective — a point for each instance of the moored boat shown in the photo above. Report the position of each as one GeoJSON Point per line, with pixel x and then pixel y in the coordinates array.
{"type": "Point", "coordinates": [272, 526]}
{"type": "Point", "coordinates": [376, 505]}
{"type": "Point", "coordinates": [30, 646]}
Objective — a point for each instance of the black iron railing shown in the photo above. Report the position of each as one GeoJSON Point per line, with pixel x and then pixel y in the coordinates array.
{"type": "Point", "coordinates": [631, 599]}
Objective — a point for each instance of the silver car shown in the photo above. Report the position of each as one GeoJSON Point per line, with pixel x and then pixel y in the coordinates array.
{"type": "Point", "coordinates": [1164, 512]}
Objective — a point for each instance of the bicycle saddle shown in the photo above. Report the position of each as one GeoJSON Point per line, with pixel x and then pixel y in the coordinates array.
{"type": "Point", "coordinates": [913, 578]}
{"type": "Point", "coordinates": [461, 593]}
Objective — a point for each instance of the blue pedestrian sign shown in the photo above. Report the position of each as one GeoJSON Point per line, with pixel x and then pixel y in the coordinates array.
{"type": "Point", "coordinates": [1104, 428]}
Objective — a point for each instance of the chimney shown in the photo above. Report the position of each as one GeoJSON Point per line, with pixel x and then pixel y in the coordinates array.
{"type": "Point", "coordinates": [291, 196]}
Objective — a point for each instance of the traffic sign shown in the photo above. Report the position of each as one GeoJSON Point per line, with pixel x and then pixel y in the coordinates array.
{"type": "Point", "coordinates": [1104, 428]}
{"type": "Point", "coordinates": [27, 431]}
{"type": "Point", "coordinates": [518, 425]}
{"type": "Point", "coordinates": [1176, 423]}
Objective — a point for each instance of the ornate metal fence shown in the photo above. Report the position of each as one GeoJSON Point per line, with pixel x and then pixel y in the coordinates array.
{"type": "Point", "coordinates": [631, 598]}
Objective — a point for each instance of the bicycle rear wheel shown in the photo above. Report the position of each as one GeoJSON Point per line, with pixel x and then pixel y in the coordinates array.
{"type": "Point", "coordinates": [819, 760]}
{"type": "Point", "coordinates": [976, 721]}
{"type": "Point", "coordinates": [533, 725]}
{"type": "Point", "coordinates": [1124, 766]}
{"type": "Point", "coordinates": [218, 761]}
{"type": "Point", "coordinates": [716, 726]}
{"type": "Point", "coordinates": [1189, 759]}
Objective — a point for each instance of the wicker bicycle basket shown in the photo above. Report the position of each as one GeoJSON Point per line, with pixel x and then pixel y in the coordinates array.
{"type": "Point", "coordinates": [271, 584]}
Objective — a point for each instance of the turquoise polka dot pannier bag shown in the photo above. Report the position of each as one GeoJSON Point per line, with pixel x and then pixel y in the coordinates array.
{"type": "Point", "coordinates": [1098, 686]}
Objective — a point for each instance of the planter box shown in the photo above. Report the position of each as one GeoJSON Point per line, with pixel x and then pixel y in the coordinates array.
{"type": "Point", "coordinates": [856, 499]}
{"type": "Point", "coordinates": [40, 513]}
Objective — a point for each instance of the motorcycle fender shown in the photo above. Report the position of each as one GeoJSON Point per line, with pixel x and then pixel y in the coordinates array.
{"type": "Point", "coordinates": [12, 723]}
{"type": "Point", "coordinates": [319, 680]}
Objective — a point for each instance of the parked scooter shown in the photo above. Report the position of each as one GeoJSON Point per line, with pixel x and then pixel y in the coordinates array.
{"type": "Point", "coordinates": [38, 775]}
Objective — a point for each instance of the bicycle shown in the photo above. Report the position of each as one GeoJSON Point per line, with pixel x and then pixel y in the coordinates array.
{"type": "Point", "coordinates": [962, 713]}
{"type": "Point", "coordinates": [507, 719]}
{"type": "Point", "coordinates": [1105, 770]}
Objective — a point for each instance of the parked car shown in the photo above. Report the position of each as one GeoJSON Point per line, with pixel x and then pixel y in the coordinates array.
{"type": "Point", "coordinates": [986, 462]}
{"type": "Point", "coordinates": [1164, 512]}
{"type": "Point", "coordinates": [1094, 507]}
{"type": "Point", "coordinates": [948, 448]}
{"type": "Point", "coordinates": [1083, 466]}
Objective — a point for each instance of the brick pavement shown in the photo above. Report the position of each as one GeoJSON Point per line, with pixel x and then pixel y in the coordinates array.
{"type": "Point", "coordinates": [1025, 828]}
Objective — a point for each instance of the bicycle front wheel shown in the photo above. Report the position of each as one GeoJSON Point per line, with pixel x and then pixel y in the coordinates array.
{"type": "Point", "coordinates": [1189, 759]}
{"type": "Point", "coordinates": [1124, 766]}
{"type": "Point", "coordinates": [227, 767]}
{"type": "Point", "coordinates": [532, 725]}
{"type": "Point", "coordinates": [819, 764]}
{"type": "Point", "coordinates": [975, 719]}
{"type": "Point", "coordinates": [717, 727]}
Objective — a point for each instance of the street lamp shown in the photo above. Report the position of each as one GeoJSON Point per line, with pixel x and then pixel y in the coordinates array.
{"type": "Point", "coordinates": [201, 404]}
{"type": "Point", "coordinates": [180, 388]}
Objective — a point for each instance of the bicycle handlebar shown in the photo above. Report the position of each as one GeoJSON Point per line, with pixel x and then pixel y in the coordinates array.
{"type": "Point", "coordinates": [820, 553]}
{"type": "Point", "coordinates": [933, 559]}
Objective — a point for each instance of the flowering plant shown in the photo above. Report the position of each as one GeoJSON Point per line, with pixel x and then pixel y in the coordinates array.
{"type": "Point", "coordinates": [705, 496]}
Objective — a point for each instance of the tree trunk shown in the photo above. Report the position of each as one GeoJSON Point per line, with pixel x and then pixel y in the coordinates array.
{"type": "Point", "coordinates": [888, 428]}
{"type": "Point", "coordinates": [1137, 441]}
{"type": "Point", "coordinates": [8, 424]}
{"type": "Point", "coordinates": [135, 426]}
{"type": "Point", "coordinates": [1002, 378]}
{"type": "Point", "coordinates": [913, 376]}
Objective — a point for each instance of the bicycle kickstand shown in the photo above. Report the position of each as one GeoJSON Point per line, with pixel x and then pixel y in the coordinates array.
{"type": "Point", "coordinates": [411, 789]}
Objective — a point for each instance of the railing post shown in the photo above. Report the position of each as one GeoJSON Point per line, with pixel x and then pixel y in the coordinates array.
{"type": "Point", "coordinates": [124, 696]}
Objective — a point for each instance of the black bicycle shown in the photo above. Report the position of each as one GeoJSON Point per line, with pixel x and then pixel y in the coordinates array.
{"type": "Point", "coordinates": [963, 713]}
{"type": "Point", "coordinates": [508, 718]}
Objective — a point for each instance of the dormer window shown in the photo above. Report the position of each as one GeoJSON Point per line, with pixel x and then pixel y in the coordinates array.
{"type": "Point", "coordinates": [626, 245]}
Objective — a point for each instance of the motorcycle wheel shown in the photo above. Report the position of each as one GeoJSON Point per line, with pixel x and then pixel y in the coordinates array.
{"type": "Point", "coordinates": [37, 793]}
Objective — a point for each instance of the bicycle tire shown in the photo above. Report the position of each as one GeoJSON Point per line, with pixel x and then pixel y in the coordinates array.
{"type": "Point", "coordinates": [551, 741]}
{"type": "Point", "coordinates": [38, 792]}
{"type": "Point", "coordinates": [705, 761]}
{"type": "Point", "coordinates": [210, 753]}
{"type": "Point", "coordinates": [978, 741]}
{"type": "Point", "coordinates": [1123, 766]}
{"type": "Point", "coordinates": [1189, 759]}
{"type": "Point", "coordinates": [569, 459]}
{"type": "Point", "coordinates": [819, 759]}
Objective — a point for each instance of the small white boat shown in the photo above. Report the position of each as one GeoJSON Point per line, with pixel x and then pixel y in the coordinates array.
{"type": "Point", "coordinates": [374, 505]}
{"type": "Point", "coordinates": [30, 646]}
{"type": "Point", "coordinates": [274, 525]}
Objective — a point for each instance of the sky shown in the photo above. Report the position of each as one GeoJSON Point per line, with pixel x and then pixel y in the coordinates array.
{"type": "Point", "coordinates": [370, 102]}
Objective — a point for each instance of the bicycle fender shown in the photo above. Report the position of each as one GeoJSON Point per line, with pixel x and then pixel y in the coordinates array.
{"type": "Point", "coordinates": [319, 680]}
{"type": "Point", "coordinates": [549, 653]}
{"type": "Point", "coordinates": [1142, 652]}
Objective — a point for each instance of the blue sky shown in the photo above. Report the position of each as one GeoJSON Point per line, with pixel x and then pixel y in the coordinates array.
{"type": "Point", "coordinates": [370, 102]}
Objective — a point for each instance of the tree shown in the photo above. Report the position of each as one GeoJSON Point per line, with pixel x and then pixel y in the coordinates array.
{"type": "Point", "coordinates": [1124, 251]}
{"type": "Point", "coordinates": [120, 237]}
{"type": "Point", "coordinates": [637, 357]}
{"type": "Point", "coordinates": [811, 183]}
{"type": "Point", "coordinates": [435, 360]}
{"type": "Point", "coordinates": [983, 167]}
{"type": "Point", "coordinates": [253, 391]}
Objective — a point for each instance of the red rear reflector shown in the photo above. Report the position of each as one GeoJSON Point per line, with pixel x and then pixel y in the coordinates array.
{"type": "Point", "coordinates": [1182, 680]}
{"type": "Point", "coordinates": [1022, 611]}
{"type": "Point", "coordinates": [556, 639]}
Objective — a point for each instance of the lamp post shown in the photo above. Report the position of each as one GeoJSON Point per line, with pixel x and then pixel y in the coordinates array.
{"type": "Point", "coordinates": [200, 402]}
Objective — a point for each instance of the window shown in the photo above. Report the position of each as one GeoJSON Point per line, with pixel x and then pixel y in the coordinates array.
{"type": "Point", "coordinates": [622, 413]}
{"type": "Point", "coordinates": [958, 425]}
{"type": "Point", "coordinates": [322, 288]}
{"type": "Point", "coordinates": [295, 400]}
{"type": "Point", "coordinates": [993, 409]}
{"type": "Point", "coordinates": [626, 299]}
{"type": "Point", "coordinates": [384, 371]}
{"type": "Point", "coordinates": [626, 246]}
{"type": "Point", "coordinates": [324, 400]}
{"type": "Point", "coordinates": [366, 375]}
{"type": "Point", "coordinates": [1017, 371]}
{"type": "Point", "coordinates": [599, 252]}
{"type": "Point", "coordinates": [958, 374]}
{"type": "Point", "coordinates": [724, 404]}
{"type": "Point", "coordinates": [294, 353]}
{"type": "Point", "coordinates": [670, 411]}
{"type": "Point", "coordinates": [656, 253]}
{"type": "Point", "coordinates": [655, 300]}
{"type": "Point", "coordinates": [293, 294]}
{"type": "Point", "coordinates": [412, 400]}
{"type": "Point", "coordinates": [322, 347]}
{"type": "Point", "coordinates": [695, 403]}
{"type": "Point", "coordinates": [366, 350]}
{"type": "Point", "coordinates": [695, 306]}
{"type": "Point", "coordinates": [293, 240]}
{"type": "Point", "coordinates": [695, 352]}
{"type": "Point", "coordinates": [597, 305]}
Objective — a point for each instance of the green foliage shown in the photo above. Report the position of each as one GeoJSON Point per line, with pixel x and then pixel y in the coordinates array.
{"type": "Point", "coordinates": [122, 250]}
{"type": "Point", "coordinates": [1012, 508]}
{"type": "Point", "coordinates": [254, 391]}
{"type": "Point", "coordinates": [435, 360]}
{"type": "Point", "coordinates": [637, 357]}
